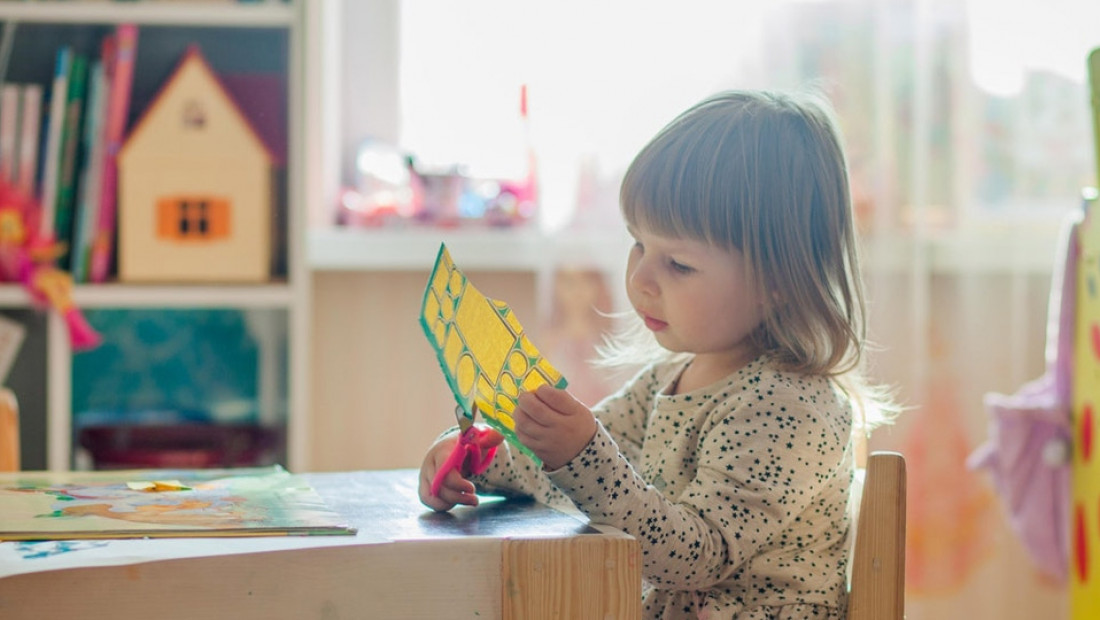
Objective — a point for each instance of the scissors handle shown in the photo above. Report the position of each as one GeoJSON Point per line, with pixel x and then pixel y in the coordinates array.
{"type": "Point", "coordinates": [471, 444]}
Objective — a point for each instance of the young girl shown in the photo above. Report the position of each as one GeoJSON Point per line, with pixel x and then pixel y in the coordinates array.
{"type": "Point", "coordinates": [729, 456]}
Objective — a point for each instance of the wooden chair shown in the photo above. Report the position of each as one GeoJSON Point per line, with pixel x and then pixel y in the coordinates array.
{"type": "Point", "coordinates": [9, 431]}
{"type": "Point", "coordinates": [878, 561]}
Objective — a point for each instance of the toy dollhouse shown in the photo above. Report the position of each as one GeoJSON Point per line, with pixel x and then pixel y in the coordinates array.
{"type": "Point", "coordinates": [195, 186]}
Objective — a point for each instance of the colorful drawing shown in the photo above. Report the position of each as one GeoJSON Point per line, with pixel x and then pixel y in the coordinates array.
{"type": "Point", "coordinates": [482, 349]}
{"type": "Point", "coordinates": [41, 549]}
{"type": "Point", "coordinates": [264, 501]}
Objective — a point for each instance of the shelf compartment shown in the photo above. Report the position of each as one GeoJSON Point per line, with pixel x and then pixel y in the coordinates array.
{"type": "Point", "coordinates": [162, 367]}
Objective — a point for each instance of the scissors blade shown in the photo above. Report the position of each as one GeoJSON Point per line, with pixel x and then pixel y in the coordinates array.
{"type": "Point", "coordinates": [465, 421]}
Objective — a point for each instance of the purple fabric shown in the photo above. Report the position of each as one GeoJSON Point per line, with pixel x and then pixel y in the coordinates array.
{"type": "Point", "coordinates": [1026, 428]}
{"type": "Point", "coordinates": [1028, 451]}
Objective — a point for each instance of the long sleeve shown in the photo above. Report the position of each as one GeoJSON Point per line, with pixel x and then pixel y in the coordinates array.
{"type": "Point", "coordinates": [738, 501]}
{"type": "Point", "coordinates": [741, 490]}
{"type": "Point", "coordinates": [737, 491]}
{"type": "Point", "coordinates": [623, 415]}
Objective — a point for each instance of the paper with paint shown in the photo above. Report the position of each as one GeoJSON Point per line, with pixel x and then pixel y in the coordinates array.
{"type": "Point", "coordinates": [261, 501]}
{"type": "Point", "coordinates": [482, 349]}
{"type": "Point", "coordinates": [384, 506]}
{"type": "Point", "coordinates": [20, 557]}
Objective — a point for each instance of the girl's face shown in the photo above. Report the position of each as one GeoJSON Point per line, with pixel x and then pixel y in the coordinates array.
{"type": "Point", "coordinates": [694, 297]}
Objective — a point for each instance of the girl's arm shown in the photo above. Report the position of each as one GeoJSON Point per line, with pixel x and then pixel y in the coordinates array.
{"type": "Point", "coordinates": [750, 484]}
{"type": "Point", "coordinates": [623, 414]}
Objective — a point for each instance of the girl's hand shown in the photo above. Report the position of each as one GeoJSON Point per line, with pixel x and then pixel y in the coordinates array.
{"type": "Point", "coordinates": [455, 490]}
{"type": "Point", "coordinates": [554, 425]}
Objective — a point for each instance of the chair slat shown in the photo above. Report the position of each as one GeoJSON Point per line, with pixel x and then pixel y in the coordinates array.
{"type": "Point", "coordinates": [878, 569]}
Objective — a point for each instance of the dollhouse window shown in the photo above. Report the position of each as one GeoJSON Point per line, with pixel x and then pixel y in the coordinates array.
{"type": "Point", "coordinates": [193, 218]}
{"type": "Point", "coordinates": [194, 116]}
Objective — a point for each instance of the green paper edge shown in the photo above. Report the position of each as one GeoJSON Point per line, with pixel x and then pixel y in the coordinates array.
{"type": "Point", "coordinates": [452, 383]}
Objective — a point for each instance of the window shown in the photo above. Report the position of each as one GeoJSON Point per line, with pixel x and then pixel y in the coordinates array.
{"type": "Point", "coordinates": [193, 219]}
{"type": "Point", "coordinates": [952, 112]}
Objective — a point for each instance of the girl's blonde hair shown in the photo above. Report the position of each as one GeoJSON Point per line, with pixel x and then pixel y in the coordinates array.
{"type": "Point", "coordinates": [764, 173]}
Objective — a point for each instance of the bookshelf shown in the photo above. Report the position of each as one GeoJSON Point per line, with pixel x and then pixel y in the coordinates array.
{"type": "Point", "coordinates": [265, 37]}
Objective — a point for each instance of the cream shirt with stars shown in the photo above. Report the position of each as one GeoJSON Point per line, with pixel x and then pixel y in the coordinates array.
{"type": "Point", "coordinates": [738, 491]}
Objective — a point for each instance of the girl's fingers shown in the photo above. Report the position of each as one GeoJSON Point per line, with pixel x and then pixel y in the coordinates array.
{"type": "Point", "coordinates": [559, 400]}
{"type": "Point", "coordinates": [455, 482]}
{"type": "Point", "coordinates": [489, 438]}
{"type": "Point", "coordinates": [532, 408]}
{"type": "Point", "coordinates": [455, 490]}
{"type": "Point", "coordinates": [458, 490]}
{"type": "Point", "coordinates": [529, 431]}
{"type": "Point", "coordinates": [435, 502]}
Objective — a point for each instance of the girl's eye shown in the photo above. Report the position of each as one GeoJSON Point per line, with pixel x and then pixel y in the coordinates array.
{"type": "Point", "coordinates": [680, 267]}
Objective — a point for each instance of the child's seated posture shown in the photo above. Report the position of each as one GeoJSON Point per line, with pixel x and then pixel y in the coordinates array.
{"type": "Point", "coordinates": [729, 456]}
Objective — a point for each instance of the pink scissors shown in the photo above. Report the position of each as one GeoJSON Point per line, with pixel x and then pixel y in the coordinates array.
{"type": "Point", "coordinates": [474, 451]}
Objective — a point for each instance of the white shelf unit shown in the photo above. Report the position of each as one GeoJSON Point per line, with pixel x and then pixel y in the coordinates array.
{"type": "Point", "coordinates": [197, 13]}
{"type": "Point", "coordinates": [965, 251]}
{"type": "Point", "coordinates": [474, 248]}
{"type": "Point", "coordinates": [289, 293]}
{"type": "Point", "coordinates": [987, 251]}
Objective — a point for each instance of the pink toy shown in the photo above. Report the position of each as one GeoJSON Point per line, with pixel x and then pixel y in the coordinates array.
{"type": "Point", "coordinates": [27, 257]}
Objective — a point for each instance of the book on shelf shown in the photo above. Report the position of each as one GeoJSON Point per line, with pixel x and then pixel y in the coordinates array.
{"type": "Point", "coordinates": [10, 95]}
{"type": "Point", "coordinates": [29, 137]}
{"type": "Point", "coordinates": [119, 69]}
{"type": "Point", "coordinates": [93, 145]}
{"type": "Point", "coordinates": [59, 141]}
{"type": "Point", "coordinates": [70, 139]}
{"type": "Point", "coordinates": [51, 158]}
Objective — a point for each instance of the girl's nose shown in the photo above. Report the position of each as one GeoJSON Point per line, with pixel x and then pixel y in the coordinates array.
{"type": "Point", "coordinates": [640, 276]}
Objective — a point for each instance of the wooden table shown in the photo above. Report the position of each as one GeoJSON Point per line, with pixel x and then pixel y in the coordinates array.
{"type": "Point", "coordinates": [504, 559]}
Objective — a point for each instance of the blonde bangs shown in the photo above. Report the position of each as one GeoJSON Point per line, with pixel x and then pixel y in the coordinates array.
{"type": "Point", "coordinates": [680, 184]}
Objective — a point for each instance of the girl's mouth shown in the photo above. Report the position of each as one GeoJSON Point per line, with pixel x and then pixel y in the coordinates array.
{"type": "Point", "coordinates": [654, 324]}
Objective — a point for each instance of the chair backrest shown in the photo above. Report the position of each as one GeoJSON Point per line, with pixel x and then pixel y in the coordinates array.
{"type": "Point", "coordinates": [9, 431]}
{"type": "Point", "coordinates": [878, 562]}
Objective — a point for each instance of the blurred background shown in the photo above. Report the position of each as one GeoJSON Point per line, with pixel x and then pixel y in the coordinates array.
{"type": "Point", "coordinates": [969, 135]}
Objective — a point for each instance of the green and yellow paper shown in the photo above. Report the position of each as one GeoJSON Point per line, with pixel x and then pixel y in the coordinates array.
{"type": "Point", "coordinates": [482, 349]}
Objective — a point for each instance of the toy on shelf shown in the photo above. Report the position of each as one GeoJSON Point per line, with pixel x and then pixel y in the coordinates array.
{"type": "Point", "coordinates": [394, 189]}
{"type": "Point", "coordinates": [28, 258]}
{"type": "Point", "coordinates": [196, 185]}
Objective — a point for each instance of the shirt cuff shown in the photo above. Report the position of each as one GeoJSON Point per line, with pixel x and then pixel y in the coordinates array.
{"type": "Point", "coordinates": [585, 479]}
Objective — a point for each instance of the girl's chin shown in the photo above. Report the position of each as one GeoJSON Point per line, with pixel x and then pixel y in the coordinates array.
{"type": "Point", "coordinates": [667, 343]}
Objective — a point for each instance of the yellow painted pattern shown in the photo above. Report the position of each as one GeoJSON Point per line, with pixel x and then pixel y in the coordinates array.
{"type": "Point", "coordinates": [1085, 511]}
{"type": "Point", "coordinates": [482, 348]}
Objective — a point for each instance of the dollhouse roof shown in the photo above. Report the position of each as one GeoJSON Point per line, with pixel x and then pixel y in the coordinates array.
{"type": "Point", "coordinates": [193, 56]}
